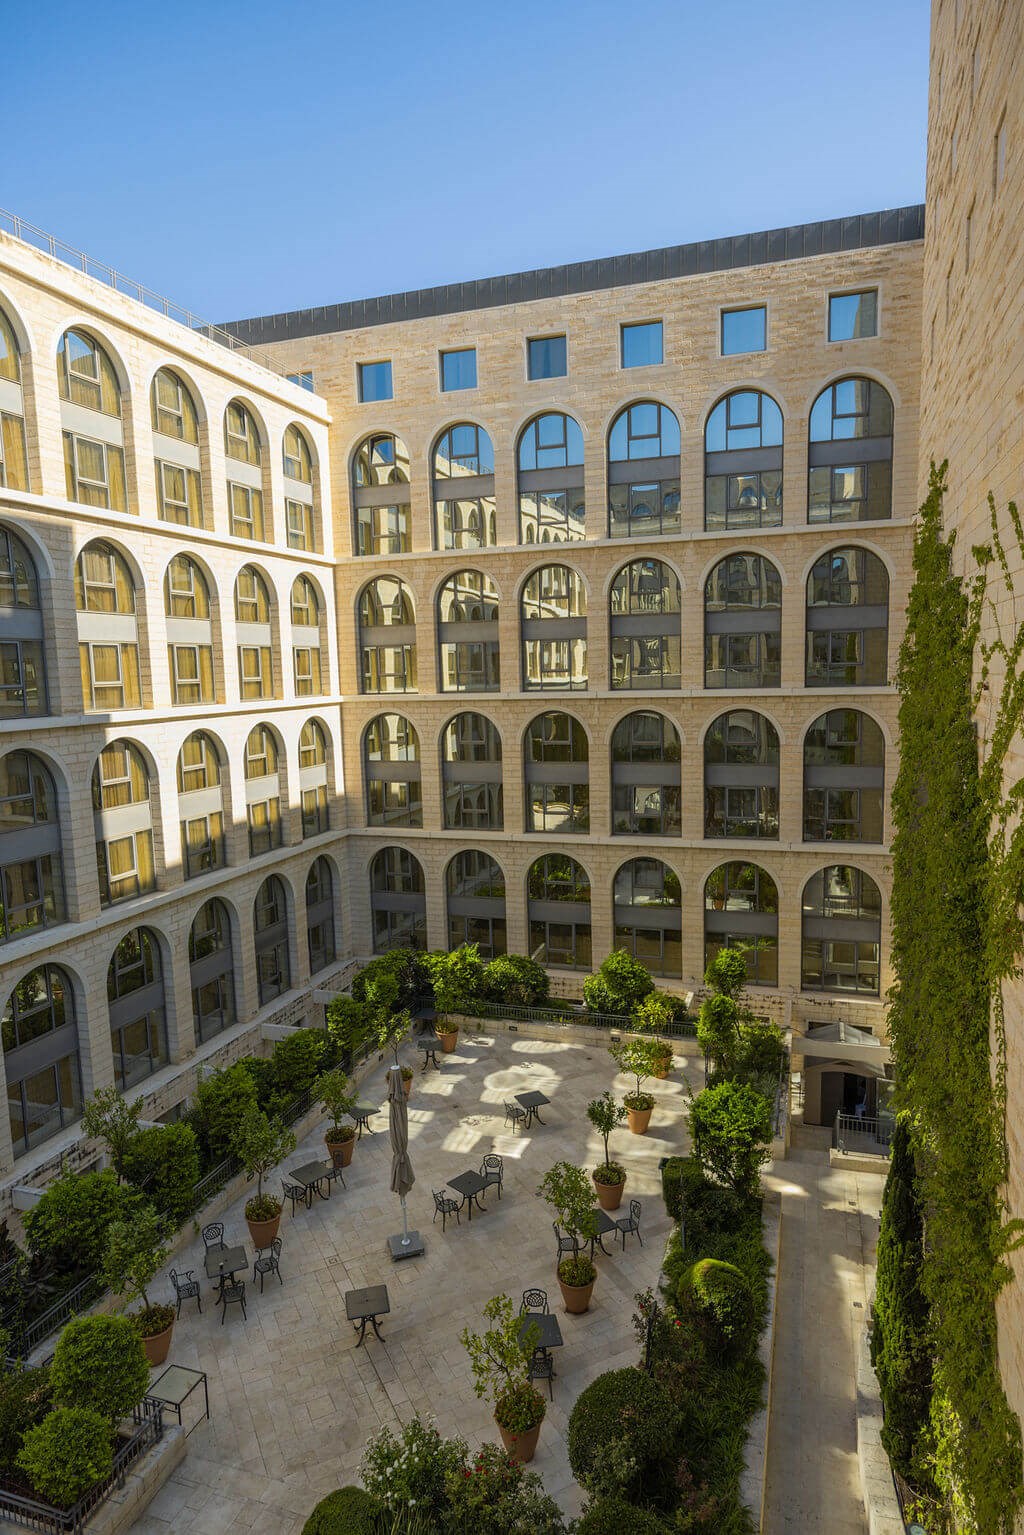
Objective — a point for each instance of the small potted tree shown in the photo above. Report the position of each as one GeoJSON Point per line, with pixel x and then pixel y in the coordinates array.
{"type": "Point", "coordinates": [640, 1057]}
{"type": "Point", "coordinates": [653, 1016]}
{"type": "Point", "coordinates": [135, 1252]}
{"type": "Point", "coordinates": [498, 1359]}
{"type": "Point", "coordinates": [610, 1178]}
{"type": "Point", "coordinates": [570, 1194]}
{"type": "Point", "coordinates": [457, 979]}
{"type": "Point", "coordinates": [260, 1144]}
{"type": "Point", "coordinates": [338, 1099]}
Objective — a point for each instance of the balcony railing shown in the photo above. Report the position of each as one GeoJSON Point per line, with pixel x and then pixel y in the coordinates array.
{"type": "Point", "coordinates": [861, 1133]}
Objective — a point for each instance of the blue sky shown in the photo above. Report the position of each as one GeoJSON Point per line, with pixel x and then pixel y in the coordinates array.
{"type": "Point", "coordinates": [258, 157]}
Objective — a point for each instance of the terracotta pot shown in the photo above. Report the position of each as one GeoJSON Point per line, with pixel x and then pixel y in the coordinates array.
{"type": "Point", "coordinates": [576, 1296]}
{"type": "Point", "coordinates": [263, 1232]}
{"type": "Point", "coordinates": [448, 1041]}
{"type": "Point", "coordinates": [521, 1447]}
{"type": "Point", "coordinates": [609, 1195]}
{"type": "Point", "coordinates": [660, 1076]}
{"type": "Point", "coordinates": [158, 1346]}
{"type": "Point", "coordinates": [340, 1152]}
{"type": "Point", "coordinates": [407, 1085]}
{"type": "Point", "coordinates": [638, 1120]}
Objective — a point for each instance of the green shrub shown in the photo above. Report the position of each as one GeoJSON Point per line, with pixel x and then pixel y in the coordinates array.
{"type": "Point", "coordinates": [731, 1129]}
{"type": "Point", "coordinates": [410, 1469]}
{"type": "Point", "coordinates": [69, 1224]}
{"type": "Point", "coordinates": [655, 1013]}
{"type": "Point", "coordinates": [681, 1178]}
{"type": "Point", "coordinates": [349, 1026]}
{"type": "Point", "coordinates": [264, 1077]}
{"type": "Point", "coordinates": [491, 1494]}
{"type": "Point", "coordinates": [721, 1296]}
{"type": "Point", "coordinates": [67, 1453]}
{"type": "Point", "coordinates": [718, 1030]}
{"type": "Point", "coordinates": [727, 972]}
{"type": "Point", "coordinates": [349, 1511]}
{"type": "Point", "coordinates": [708, 1211]}
{"type": "Point", "coordinates": [395, 980]}
{"type": "Point", "coordinates": [99, 1363]}
{"type": "Point", "coordinates": [623, 1433]}
{"type": "Point", "coordinates": [164, 1160]}
{"type": "Point", "coordinates": [517, 981]}
{"type": "Point", "coordinates": [760, 1053]}
{"type": "Point", "coordinates": [297, 1062]}
{"type": "Point", "coordinates": [25, 1400]}
{"type": "Point", "coordinates": [614, 1516]}
{"type": "Point", "coordinates": [457, 978]}
{"type": "Point", "coordinates": [221, 1100]}
{"type": "Point", "coordinates": [619, 985]}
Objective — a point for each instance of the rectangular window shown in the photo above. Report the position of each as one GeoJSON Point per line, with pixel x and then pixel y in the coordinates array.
{"type": "Point", "coordinates": [191, 669]}
{"type": "Point", "coordinates": [852, 315]}
{"type": "Point", "coordinates": [304, 379]}
{"type": "Point", "coordinates": [110, 676]}
{"type": "Point", "coordinates": [315, 815]}
{"type": "Point", "coordinates": [375, 382]}
{"type": "Point", "coordinates": [125, 866]}
{"type": "Point", "coordinates": [177, 491]}
{"type": "Point", "coordinates": [383, 530]}
{"type": "Point", "coordinates": [246, 511]}
{"type": "Point", "coordinates": [264, 826]}
{"type": "Point", "coordinates": [307, 671]}
{"type": "Point", "coordinates": [22, 678]}
{"type": "Point", "coordinates": [299, 517]}
{"type": "Point", "coordinates": [255, 671]}
{"type": "Point", "coordinates": [13, 460]}
{"type": "Point", "coordinates": [458, 369]}
{"type": "Point", "coordinates": [94, 472]}
{"type": "Point", "coordinates": [744, 330]}
{"type": "Point", "coordinates": [202, 844]}
{"type": "Point", "coordinates": [642, 345]}
{"type": "Point", "coordinates": [547, 357]}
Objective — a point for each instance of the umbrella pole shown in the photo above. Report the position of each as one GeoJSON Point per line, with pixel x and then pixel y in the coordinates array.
{"type": "Point", "coordinates": [405, 1224]}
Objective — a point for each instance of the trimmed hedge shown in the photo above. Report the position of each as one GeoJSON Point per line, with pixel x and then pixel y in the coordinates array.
{"type": "Point", "coordinates": [723, 1299]}
{"type": "Point", "coordinates": [164, 1161]}
{"type": "Point", "coordinates": [221, 1101]}
{"type": "Point", "coordinates": [349, 1511]}
{"type": "Point", "coordinates": [623, 1435]}
{"type": "Point", "coordinates": [70, 1222]}
{"type": "Point", "coordinates": [99, 1363]}
{"type": "Point", "coordinates": [67, 1453]}
{"type": "Point", "coordinates": [614, 1516]}
{"type": "Point", "coordinates": [25, 1400]}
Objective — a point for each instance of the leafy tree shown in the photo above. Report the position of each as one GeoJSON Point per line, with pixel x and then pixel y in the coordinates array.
{"type": "Point", "coordinates": [396, 979]}
{"type": "Point", "coordinates": [605, 1115]}
{"type": "Point", "coordinates": [655, 1013]}
{"type": "Point", "coordinates": [516, 980]}
{"type": "Point", "coordinates": [135, 1253]}
{"type": "Point", "coordinates": [619, 985]}
{"type": "Point", "coordinates": [570, 1193]}
{"type": "Point", "coordinates": [392, 1028]}
{"type": "Point", "coordinates": [337, 1096]}
{"type": "Point", "coordinates": [642, 1058]}
{"type": "Point", "coordinates": [67, 1454]}
{"type": "Point", "coordinates": [110, 1119]}
{"type": "Point", "coordinates": [623, 1436]}
{"type": "Point", "coordinates": [731, 1128]}
{"type": "Point", "coordinates": [718, 1031]}
{"type": "Point", "coordinates": [297, 1062]}
{"type": "Point", "coordinates": [99, 1363]}
{"type": "Point", "coordinates": [349, 1026]}
{"type": "Point", "coordinates": [221, 1101]}
{"type": "Point", "coordinates": [498, 1358]}
{"type": "Point", "coordinates": [457, 978]}
{"type": "Point", "coordinates": [163, 1161]}
{"type": "Point", "coordinates": [260, 1144]}
{"type": "Point", "coordinates": [69, 1224]}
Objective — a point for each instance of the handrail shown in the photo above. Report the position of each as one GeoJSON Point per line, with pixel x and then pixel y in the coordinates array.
{"type": "Point", "coordinates": [862, 1128]}
{"type": "Point", "coordinates": [40, 239]}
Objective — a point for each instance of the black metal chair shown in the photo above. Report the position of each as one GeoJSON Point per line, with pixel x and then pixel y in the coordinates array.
{"type": "Point", "coordinates": [268, 1261]}
{"type": "Point", "coordinates": [231, 1290]}
{"type": "Point", "coordinates": [293, 1192]}
{"type": "Point", "coordinates": [630, 1224]}
{"type": "Point", "coordinates": [186, 1287]}
{"type": "Point", "coordinates": [337, 1171]}
{"type": "Point", "coordinates": [445, 1207]}
{"type": "Point", "coordinates": [492, 1170]}
{"type": "Point", "coordinates": [534, 1300]}
{"type": "Point", "coordinates": [516, 1113]}
{"type": "Point", "coordinates": [570, 1245]}
{"type": "Point", "coordinates": [213, 1235]}
{"type": "Point", "coordinates": [542, 1367]}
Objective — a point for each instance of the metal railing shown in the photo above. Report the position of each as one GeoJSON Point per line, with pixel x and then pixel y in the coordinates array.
{"type": "Point", "coordinates": [862, 1133]}
{"type": "Point", "coordinates": [40, 239]}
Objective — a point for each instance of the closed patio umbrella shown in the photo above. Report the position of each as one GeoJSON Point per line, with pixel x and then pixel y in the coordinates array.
{"type": "Point", "coordinates": [405, 1244]}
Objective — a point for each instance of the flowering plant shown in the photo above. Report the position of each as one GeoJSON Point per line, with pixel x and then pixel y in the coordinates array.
{"type": "Point", "coordinates": [409, 1471]}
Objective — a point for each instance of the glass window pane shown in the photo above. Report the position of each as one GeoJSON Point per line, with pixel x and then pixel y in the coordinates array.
{"type": "Point", "coordinates": [375, 381]}
{"type": "Point", "coordinates": [642, 345]}
{"type": "Point", "coordinates": [547, 357]}
{"type": "Point", "coordinates": [744, 330]}
{"type": "Point", "coordinates": [458, 369]}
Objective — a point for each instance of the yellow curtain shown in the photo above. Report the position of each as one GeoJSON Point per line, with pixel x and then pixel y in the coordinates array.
{"type": "Point", "coordinates": [115, 480]}
{"type": "Point", "coordinates": [130, 673]}
{"type": "Point", "coordinates": [13, 462]}
{"type": "Point", "coordinates": [206, 686]}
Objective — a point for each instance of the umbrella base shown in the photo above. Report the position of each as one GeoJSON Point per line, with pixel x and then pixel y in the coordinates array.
{"type": "Point", "coordinates": [413, 1248]}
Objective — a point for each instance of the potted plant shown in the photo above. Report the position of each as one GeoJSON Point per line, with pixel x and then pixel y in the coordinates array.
{"type": "Point", "coordinates": [338, 1099]}
{"type": "Point", "coordinates": [570, 1194]}
{"type": "Point", "coordinates": [610, 1178]}
{"type": "Point", "coordinates": [407, 1080]}
{"type": "Point", "coordinates": [664, 1056]}
{"type": "Point", "coordinates": [457, 979]}
{"type": "Point", "coordinates": [447, 1034]}
{"type": "Point", "coordinates": [654, 1015]}
{"type": "Point", "coordinates": [135, 1252]}
{"type": "Point", "coordinates": [499, 1359]}
{"type": "Point", "coordinates": [642, 1058]}
{"type": "Point", "coordinates": [259, 1144]}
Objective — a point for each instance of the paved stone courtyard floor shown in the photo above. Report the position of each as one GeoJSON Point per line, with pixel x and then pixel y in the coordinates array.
{"type": "Point", "coordinates": [293, 1402]}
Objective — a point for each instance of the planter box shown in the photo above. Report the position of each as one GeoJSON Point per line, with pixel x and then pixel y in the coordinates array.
{"type": "Point", "coordinates": [755, 1457]}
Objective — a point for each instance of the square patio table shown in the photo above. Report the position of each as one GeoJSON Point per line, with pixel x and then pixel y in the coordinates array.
{"type": "Point", "coordinates": [312, 1176]}
{"type": "Point", "coordinates": [428, 1044]}
{"type": "Point", "coordinates": [224, 1262]}
{"type": "Point", "coordinates": [173, 1388]}
{"type": "Point", "coordinates": [532, 1103]}
{"type": "Point", "coordinates": [550, 1332]}
{"type": "Point", "coordinates": [470, 1185]}
{"type": "Point", "coordinates": [362, 1306]}
{"type": "Point", "coordinates": [361, 1114]}
{"type": "Point", "coordinates": [605, 1224]}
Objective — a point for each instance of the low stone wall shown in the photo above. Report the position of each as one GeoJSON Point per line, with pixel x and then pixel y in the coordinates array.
{"type": "Point", "coordinates": [559, 1033]}
{"type": "Point", "coordinates": [127, 1504]}
{"type": "Point", "coordinates": [752, 1482]}
{"type": "Point", "coordinates": [880, 1501]}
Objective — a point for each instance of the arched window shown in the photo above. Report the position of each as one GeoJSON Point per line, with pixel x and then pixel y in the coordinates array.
{"type": "Point", "coordinates": [850, 453]}
{"type": "Point", "coordinates": [647, 902]}
{"type": "Point", "coordinates": [22, 664]}
{"type": "Point", "coordinates": [320, 915]}
{"type": "Point", "coordinates": [189, 633]}
{"type": "Point", "coordinates": [179, 489]}
{"type": "Point", "coordinates": [41, 1059]}
{"type": "Point", "coordinates": [743, 624]}
{"type": "Point", "coordinates": [94, 443]}
{"type": "Point", "coordinates": [467, 633]}
{"type": "Point", "coordinates": [643, 472]}
{"type": "Point", "coordinates": [299, 491]}
{"type": "Point", "coordinates": [475, 888]}
{"type": "Point", "coordinates": [13, 457]}
{"type": "Point", "coordinates": [471, 774]}
{"type": "Point", "coordinates": [847, 620]}
{"type": "Point", "coordinates": [743, 462]}
{"type": "Point", "coordinates": [464, 489]}
{"type": "Point", "coordinates": [842, 932]}
{"type": "Point", "coordinates": [122, 823]}
{"type": "Point", "coordinates": [552, 508]}
{"type": "Point", "coordinates": [557, 773]}
{"type": "Point", "coordinates": [645, 606]}
{"type": "Point", "coordinates": [387, 637]}
{"type": "Point", "coordinates": [741, 911]}
{"type": "Point", "coordinates": [316, 809]}
{"type": "Point", "coordinates": [397, 901]}
{"type": "Point", "coordinates": [262, 791]}
{"type": "Point", "coordinates": [254, 633]}
{"type": "Point", "coordinates": [135, 999]}
{"type": "Point", "coordinates": [558, 906]}
{"type": "Point", "coordinates": [31, 870]}
{"type": "Point", "coordinates": [245, 473]}
{"type": "Point", "coordinates": [108, 636]}
{"type": "Point", "coordinates": [554, 629]}
{"type": "Point", "coordinates": [391, 750]}
{"type": "Point", "coordinates": [306, 638]}
{"type": "Point", "coordinates": [270, 937]}
{"type": "Point", "coordinates": [211, 971]}
{"type": "Point", "coordinates": [844, 778]}
{"type": "Point", "coordinates": [381, 496]}
{"type": "Point", "coordinates": [646, 792]}
{"type": "Point", "coordinates": [200, 806]}
{"type": "Point", "coordinates": [741, 776]}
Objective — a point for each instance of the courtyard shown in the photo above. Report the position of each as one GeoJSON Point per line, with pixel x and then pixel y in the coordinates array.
{"type": "Point", "coordinates": [293, 1400]}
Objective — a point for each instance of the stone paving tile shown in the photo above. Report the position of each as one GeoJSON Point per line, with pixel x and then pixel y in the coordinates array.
{"type": "Point", "coordinates": [292, 1400]}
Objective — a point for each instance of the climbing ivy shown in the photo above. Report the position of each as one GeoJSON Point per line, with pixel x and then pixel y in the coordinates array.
{"type": "Point", "coordinates": [956, 938]}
